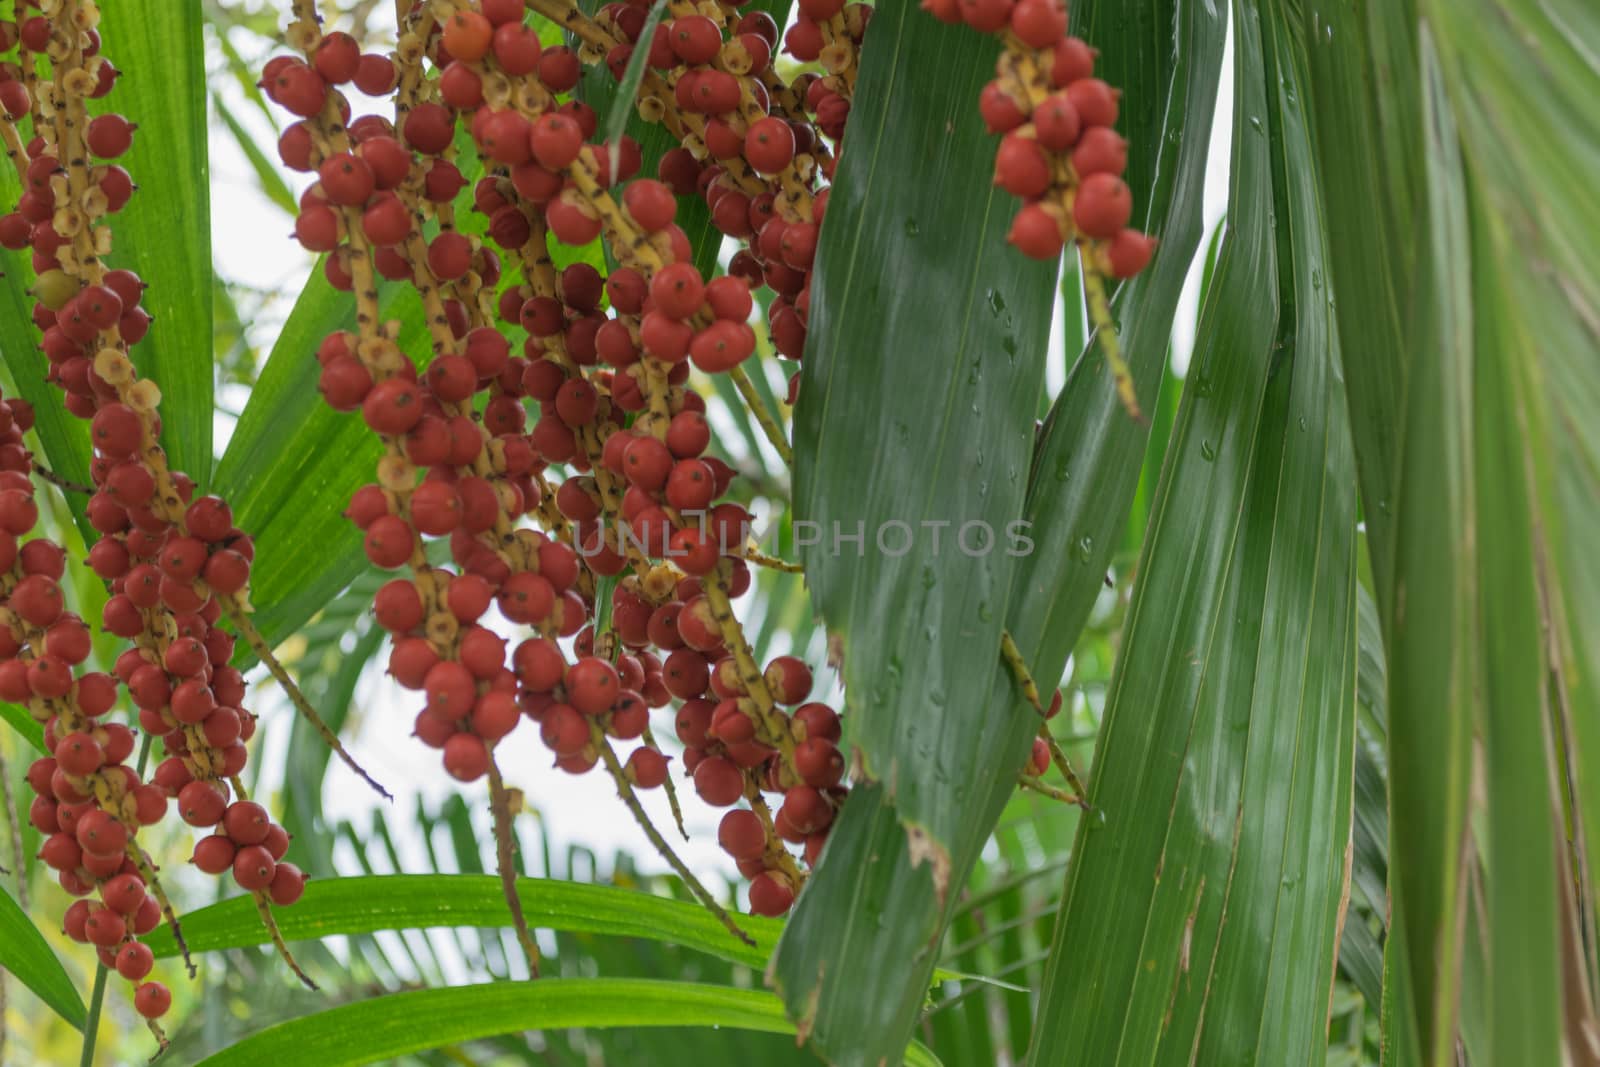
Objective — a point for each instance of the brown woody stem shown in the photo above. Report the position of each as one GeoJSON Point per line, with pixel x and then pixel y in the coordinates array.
{"type": "Point", "coordinates": [237, 615]}
{"type": "Point", "coordinates": [631, 799]}
{"type": "Point", "coordinates": [64, 484]}
{"type": "Point", "coordinates": [1028, 781]}
{"type": "Point", "coordinates": [278, 942]}
{"type": "Point", "coordinates": [504, 847]}
{"type": "Point", "coordinates": [758, 408]}
{"type": "Point", "coordinates": [1059, 758]}
{"type": "Point", "coordinates": [649, 739]}
{"type": "Point", "coordinates": [1019, 670]}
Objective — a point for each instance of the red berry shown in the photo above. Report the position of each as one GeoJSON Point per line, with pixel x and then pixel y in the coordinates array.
{"type": "Point", "coordinates": [1101, 151]}
{"type": "Point", "coordinates": [741, 835]}
{"type": "Point", "coordinates": [719, 782]}
{"type": "Point", "coordinates": [1039, 23]}
{"type": "Point", "coordinates": [337, 58]}
{"type": "Point", "coordinates": [556, 139]}
{"type": "Point", "coordinates": [769, 896]}
{"type": "Point", "coordinates": [1056, 123]}
{"type": "Point", "coordinates": [1095, 101]}
{"type": "Point", "coordinates": [201, 804]}
{"type": "Point", "coordinates": [253, 868]}
{"type": "Point", "coordinates": [152, 999]}
{"type": "Point", "coordinates": [677, 290]}
{"type": "Point", "coordinates": [986, 16]}
{"type": "Point", "coordinates": [647, 768]}
{"type": "Point", "coordinates": [287, 886]}
{"type": "Point", "coordinates": [109, 136]}
{"type": "Point", "coordinates": [819, 762]}
{"type": "Point", "coordinates": [651, 204]}
{"type": "Point", "coordinates": [769, 144]}
{"type": "Point", "coordinates": [246, 822]}
{"type": "Point", "coordinates": [105, 927]}
{"type": "Point", "coordinates": [592, 685]}
{"type": "Point", "coordinates": [465, 758]}
{"type": "Point", "coordinates": [346, 179]}
{"type": "Point", "coordinates": [789, 679]}
{"type": "Point", "coordinates": [1022, 167]}
{"type": "Point", "coordinates": [135, 960]}
{"type": "Point", "coordinates": [1035, 233]}
{"type": "Point", "coordinates": [449, 256]}
{"type": "Point", "coordinates": [1130, 252]}
{"type": "Point", "coordinates": [695, 38]}
{"type": "Point", "coordinates": [1073, 60]}
{"type": "Point", "coordinates": [1103, 206]}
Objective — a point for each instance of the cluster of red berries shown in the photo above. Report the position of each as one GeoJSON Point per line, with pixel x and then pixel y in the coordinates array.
{"type": "Point", "coordinates": [1059, 152]}
{"type": "Point", "coordinates": [174, 561]}
{"type": "Point", "coordinates": [638, 492]}
{"type": "Point", "coordinates": [89, 803]}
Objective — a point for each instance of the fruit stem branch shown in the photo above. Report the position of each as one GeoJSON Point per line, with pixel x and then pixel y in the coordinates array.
{"type": "Point", "coordinates": [649, 739]}
{"type": "Point", "coordinates": [774, 726]}
{"type": "Point", "coordinates": [631, 799]}
{"type": "Point", "coordinates": [758, 408]}
{"type": "Point", "coordinates": [237, 614]}
{"type": "Point", "coordinates": [1019, 670]}
{"type": "Point", "coordinates": [278, 942]}
{"type": "Point", "coordinates": [147, 871]}
{"type": "Point", "coordinates": [1100, 315]}
{"type": "Point", "coordinates": [568, 17]}
{"type": "Point", "coordinates": [1028, 781]}
{"type": "Point", "coordinates": [505, 845]}
{"type": "Point", "coordinates": [761, 559]}
{"type": "Point", "coordinates": [66, 485]}
{"type": "Point", "coordinates": [777, 856]}
{"type": "Point", "coordinates": [1059, 758]}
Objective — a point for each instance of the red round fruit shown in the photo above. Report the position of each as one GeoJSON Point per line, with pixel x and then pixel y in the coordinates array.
{"type": "Point", "coordinates": [677, 290]}
{"type": "Point", "coordinates": [769, 896]}
{"type": "Point", "coordinates": [288, 885]}
{"type": "Point", "coordinates": [465, 758]}
{"type": "Point", "coordinates": [1022, 167]}
{"type": "Point", "coordinates": [1035, 233]}
{"type": "Point", "coordinates": [592, 685]}
{"type": "Point", "coordinates": [769, 144]}
{"type": "Point", "coordinates": [1039, 23]}
{"type": "Point", "coordinates": [246, 822]}
{"type": "Point", "coordinates": [1095, 101]}
{"type": "Point", "coordinates": [719, 782]}
{"type": "Point", "coordinates": [1130, 252]}
{"type": "Point", "coordinates": [647, 768]}
{"type": "Point", "coordinates": [134, 960]}
{"type": "Point", "coordinates": [253, 868]}
{"type": "Point", "coordinates": [1103, 206]}
{"type": "Point", "coordinates": [152, 999]}
{"type": "Point", "coordinates": [741, 835]}
{"type": "Point", "coordinates": [1100, 151]}
{"type": "Point", "coordinates": [651, 204]}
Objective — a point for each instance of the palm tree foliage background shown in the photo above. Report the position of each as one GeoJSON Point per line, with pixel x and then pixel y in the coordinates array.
{"type": "Point", "coordinates": [1327, 624]}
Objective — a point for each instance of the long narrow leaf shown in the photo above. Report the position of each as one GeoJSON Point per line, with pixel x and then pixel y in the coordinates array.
{"type": "Point", "coordinates": [20, 721]}
{"type": "Point", "coordinates": [361, 905]}
{"type": "Point", "coordinates": [384, 1028]}
{"type": "Point", "coordinates": [1081, 483]}
{"type": "Point", "coordinates": [165, 231]}
{"type": "Point", "coordinates": [25, 954]}
{"type": "Point", "coordinates": [1223, 776]}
